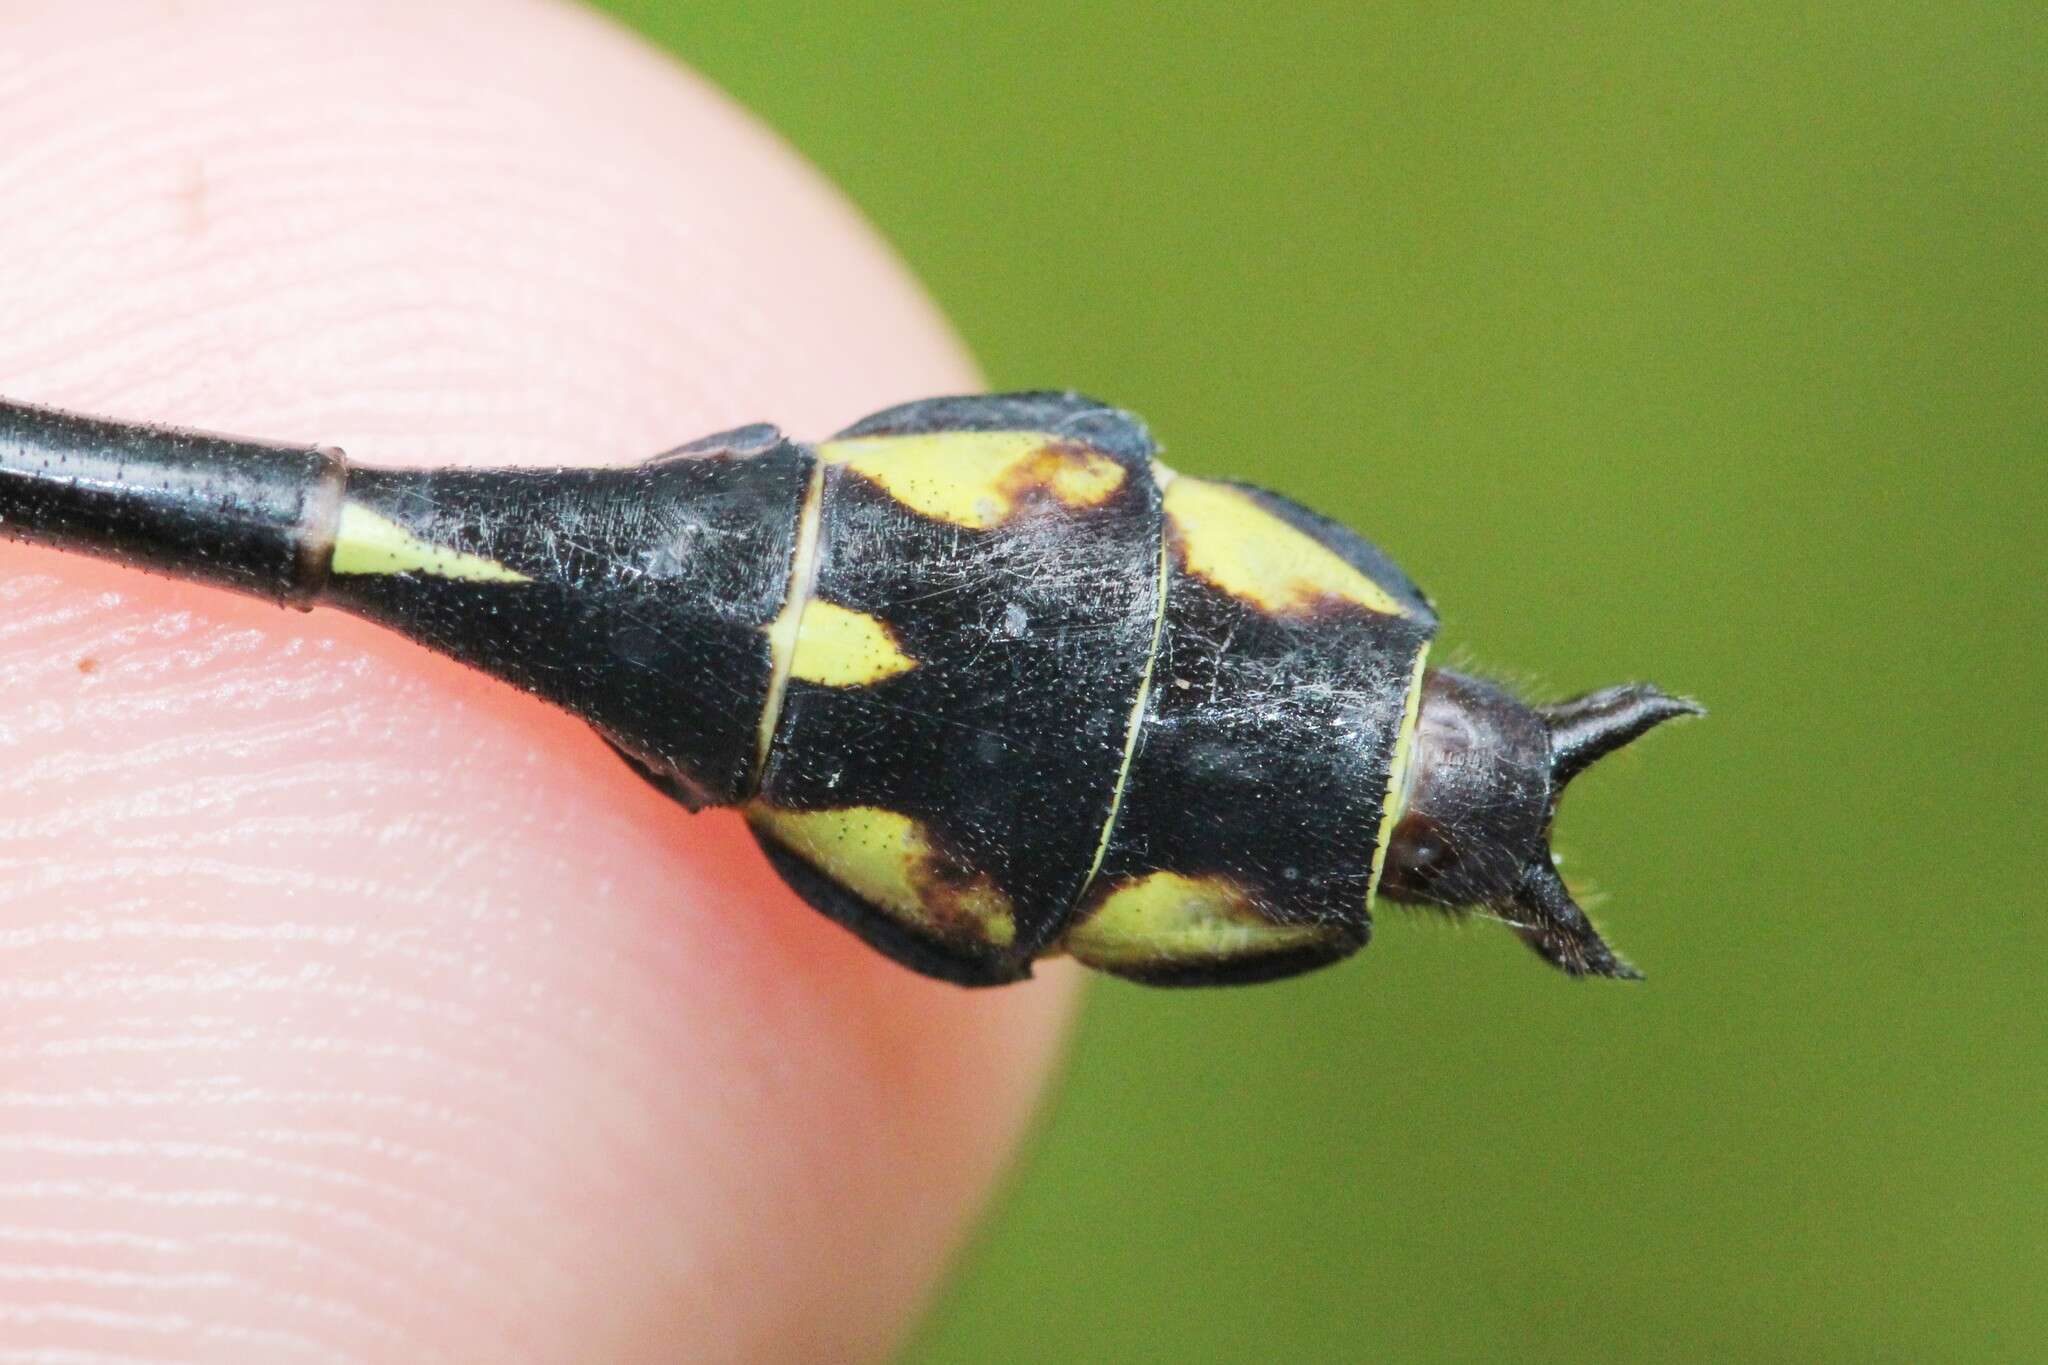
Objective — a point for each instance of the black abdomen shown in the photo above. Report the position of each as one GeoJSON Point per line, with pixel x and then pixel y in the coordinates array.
{"type": "Point", "coordinates": [1051, 697]}
{"type": "Point", "coordinates": [637, 597]}
{"type": "Point", "coordinates": [989, 682]}
{"type": "Point", "coordinates": [1008, 551]}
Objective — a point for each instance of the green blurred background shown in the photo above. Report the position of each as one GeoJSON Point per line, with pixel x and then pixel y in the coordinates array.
{"type": "Point", "coordinates": [1700, 344]}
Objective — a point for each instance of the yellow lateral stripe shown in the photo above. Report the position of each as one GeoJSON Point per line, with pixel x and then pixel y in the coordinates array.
{"type": "Point", "coordinates": [782, 631]}
{"type": "Point", "coordinates": [1240, 548]}
{"type": "Point", "coordinates": [367, 542]}
{"type": "Point", "coordinates": [975, 478]}
{"type": "Point", "coordinates": [1397, 774]}
{"type": "Point", "coordinates": [839, 647]}
{"type": "Point", "coordinates": [1123, 772]}
{"type": "Point", "coordinates": [1170, 917]}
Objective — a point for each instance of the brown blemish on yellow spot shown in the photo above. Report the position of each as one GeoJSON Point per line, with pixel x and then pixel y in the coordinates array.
{"type": "Point", "coordinates": [88, 665]}
{"type": "Point", "coordinates": [889, 861]}
{"type": "Point", "coordinates": [979, 479]}
{"type": "Point", "coordinates": [1239, 548]}
{"type": "Point", "coordinates": [1167, 919]}
{"type": "Point", "coordinates": [1070, 474]}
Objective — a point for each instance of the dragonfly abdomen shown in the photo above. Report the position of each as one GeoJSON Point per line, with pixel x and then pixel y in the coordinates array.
{"type": "Point", "coordinates": [989, 682]}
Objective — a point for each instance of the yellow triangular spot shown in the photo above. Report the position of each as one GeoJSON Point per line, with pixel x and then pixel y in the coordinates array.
{"type": "Point", "coordinates": [1230, 541]}
{"type": "Point", "coordinates": [367, 542]}
{"type": "Point", "coordinates": [839, 647]}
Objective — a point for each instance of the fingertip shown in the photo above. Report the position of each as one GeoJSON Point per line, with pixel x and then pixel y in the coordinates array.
{"type": "Point", "coordinates": [420, 1021]}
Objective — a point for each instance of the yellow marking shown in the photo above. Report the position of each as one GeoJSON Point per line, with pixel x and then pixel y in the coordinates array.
{"type": "Point", "coordinates": [1167, 918]}
{"type": "Point", "coordinates": [1240, 548]}
{"type": "Point", "coordinates": [1397, 775]}
{"type": "Point", "coordinates": [367, 542]}
{"type": "Point", "coordinates": [839, 647]}
{"type": "Point", "coordinates": [977, 478]}
{"type": "Point", "coordinates": [782, 631]}
{"type": "Point", "coordinates": [886, 859]}
{"type": "Point", "coordinates": [1123, 772]}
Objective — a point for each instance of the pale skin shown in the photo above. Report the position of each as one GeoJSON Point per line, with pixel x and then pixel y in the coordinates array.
{"type": "Point", "coordinates": [353, 1007]}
